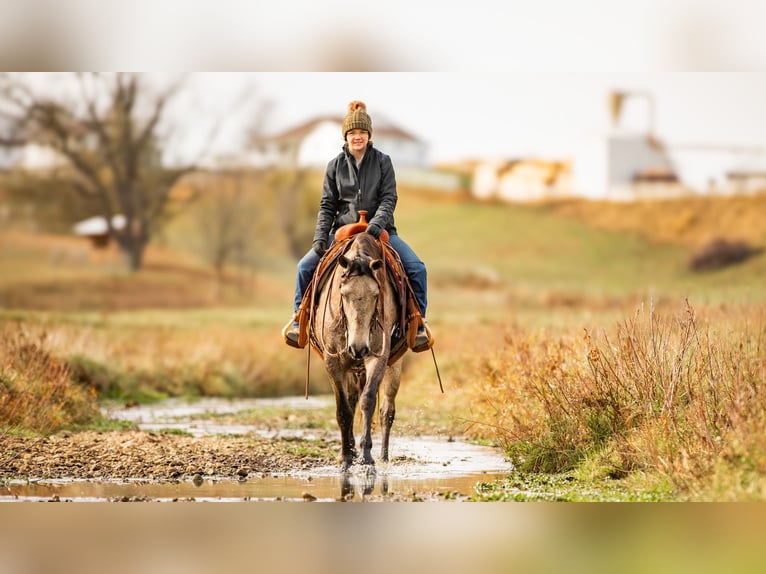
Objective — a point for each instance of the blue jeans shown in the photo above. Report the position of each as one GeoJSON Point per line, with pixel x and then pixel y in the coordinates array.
{"type": "Point", "coordinates": [416, 271]}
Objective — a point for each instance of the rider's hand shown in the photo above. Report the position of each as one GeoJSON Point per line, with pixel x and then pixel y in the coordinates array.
{"type": "Point", "coordinates": [375, 230]}
{"type": "Point", "coordinates": [319, 246]}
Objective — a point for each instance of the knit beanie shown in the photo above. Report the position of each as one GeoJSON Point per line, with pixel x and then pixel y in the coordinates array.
{"type": "Point", "coordinates": [357, 118]}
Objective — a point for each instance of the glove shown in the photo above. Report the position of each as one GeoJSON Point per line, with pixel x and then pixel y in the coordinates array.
{"type": "Point", "coordinates": [375, 230]}
{"type": "Point", "coordinates": [319, 246]}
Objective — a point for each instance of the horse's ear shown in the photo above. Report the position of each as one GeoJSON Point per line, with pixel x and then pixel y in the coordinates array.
{"type": "Point", "coordinates": [376, 264]}
{"type": "Point", "coordinates": [344, 261]}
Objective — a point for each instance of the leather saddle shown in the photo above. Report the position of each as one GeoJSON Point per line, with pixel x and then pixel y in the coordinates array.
{"type": "Point", "coordinates": [410, 317]}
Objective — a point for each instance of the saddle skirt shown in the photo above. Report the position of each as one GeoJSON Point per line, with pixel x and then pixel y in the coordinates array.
{"type": "Point", "coordinates": [410, 317]}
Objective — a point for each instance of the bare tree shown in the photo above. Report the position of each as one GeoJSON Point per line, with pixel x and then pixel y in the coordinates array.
{"type": "Point", "coordinates": [296, 208]}
{"type": "Point", "coordinates": [225, 223]}
{"type": "Point", "coordinates": [106, 132]}
{"type": "Point", "coordinates": [292, 185]}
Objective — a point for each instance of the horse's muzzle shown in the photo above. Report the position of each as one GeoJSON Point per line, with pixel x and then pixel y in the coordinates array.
{"type": "Point", "coordinates": [358, 352]}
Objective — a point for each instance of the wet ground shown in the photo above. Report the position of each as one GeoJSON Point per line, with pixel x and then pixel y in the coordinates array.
{"type": "Point", "coordinates": [243, 450]}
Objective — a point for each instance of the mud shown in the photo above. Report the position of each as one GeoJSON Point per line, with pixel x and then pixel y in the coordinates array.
{"type": "Point", "coordinates": [153, 456]}
{"type": "Point", "coordinates": [197, 451]}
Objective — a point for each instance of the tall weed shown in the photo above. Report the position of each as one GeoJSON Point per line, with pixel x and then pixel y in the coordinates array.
{"type": "Point", "coordinates": [670, 395]}
{"type": "Point", "coordinates": [37, 392]}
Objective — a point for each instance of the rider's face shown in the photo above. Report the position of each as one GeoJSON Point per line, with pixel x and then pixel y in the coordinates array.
{"type": "Point", "coordinates": [357, 139]}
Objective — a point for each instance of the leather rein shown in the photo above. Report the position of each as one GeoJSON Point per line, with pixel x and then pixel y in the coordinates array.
{"type": "Point", "coordinates": [376, 319]}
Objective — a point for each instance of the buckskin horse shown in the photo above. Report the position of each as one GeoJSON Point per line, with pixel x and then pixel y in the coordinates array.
{"type": "Point", "coordinates": [360, 316]}
{"type": "Point", "coordinates": [356, 312]}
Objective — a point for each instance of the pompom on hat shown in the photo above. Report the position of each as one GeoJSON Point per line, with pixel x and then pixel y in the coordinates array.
{"type": "Point", "coordinates": [357, 118]}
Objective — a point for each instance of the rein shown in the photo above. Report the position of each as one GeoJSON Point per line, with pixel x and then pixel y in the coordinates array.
{"type": "Point", "coordinates": [381, 278]}
{"type": "Point", "coordinates": [376, 318]}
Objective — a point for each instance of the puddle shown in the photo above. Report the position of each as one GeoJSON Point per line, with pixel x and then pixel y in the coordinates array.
{"type": "Point", "coordinates": [356, 486]}
{"type": "Point", "coordinates": [422, 464]}
{"type": "Point", "coordinates": [187, 416]}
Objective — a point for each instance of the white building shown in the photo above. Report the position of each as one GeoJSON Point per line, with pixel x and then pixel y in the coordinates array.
{"type": "Point", "coordinates": [748, 177]}
{"type": "Point", "coordinates": [36, 157]}
{"type": "Point", "coordinates": [31, 157]}
{"type": "Point", "coordinates": [313, 143]}
{"type": "Point", "coordinates": [623, 166]}
{"type": "Point", "coordinates": [720, 169]}
{"type": "Point", "coordinates": [523, 180]}
{"type": "Point", "coordinates": [627, 162]}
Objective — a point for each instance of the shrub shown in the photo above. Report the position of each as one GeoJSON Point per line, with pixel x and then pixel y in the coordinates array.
{"type": "Point", "coordinates": [37, 392]}
{"type": "Point", "coordinates": [661, 394]}
{"type": "Point", "coordinates": [721, 253]}
{"type": "Point", "coordinates": [112, 383]}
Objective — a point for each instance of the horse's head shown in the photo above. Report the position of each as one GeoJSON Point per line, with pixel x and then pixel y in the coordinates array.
{"type": "Point", "coordinates": [360, 293]}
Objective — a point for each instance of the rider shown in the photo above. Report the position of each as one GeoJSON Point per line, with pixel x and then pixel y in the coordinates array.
{"type": "Point", "coordinates": [360, 177]}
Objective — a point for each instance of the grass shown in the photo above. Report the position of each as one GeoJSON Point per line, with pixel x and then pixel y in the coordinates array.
{"type": "Point", "coordinates": [567, 487]}
{"type": "Point", "coordinates": [562, 334]}
{"type": "Point", "coordinates": [37, 392]}
{"type": "Point", "coordinates": [674, 397]}
{"type": "Point", "coordinates": [322, 418]}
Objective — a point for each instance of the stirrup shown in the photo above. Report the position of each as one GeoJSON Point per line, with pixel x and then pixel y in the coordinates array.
{"type": "Point", "coordinates": [428, 343]}
{"type": "Point", "coordinates": [286, 329]}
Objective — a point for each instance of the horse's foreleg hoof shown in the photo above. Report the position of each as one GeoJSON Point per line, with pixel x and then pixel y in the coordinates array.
{"type": "Point", "coordinates": [347, 462]}
{"type": "Point", "coordinates": [367, 459]}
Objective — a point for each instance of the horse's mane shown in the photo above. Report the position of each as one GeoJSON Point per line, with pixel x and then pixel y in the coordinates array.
{"type": "Point", "coordinates": [366, 250]}
{"type": "Point", "coordinates": [368, 245]}
{"type": "Point", "coordinates": [359, 265]}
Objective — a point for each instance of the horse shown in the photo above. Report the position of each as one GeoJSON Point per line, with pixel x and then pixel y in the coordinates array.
{"type": "Point", "coordinates": [353, 327]}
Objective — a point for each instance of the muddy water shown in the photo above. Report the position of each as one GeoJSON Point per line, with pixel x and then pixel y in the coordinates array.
{"type": "Point", "coordinates": [422, 467]}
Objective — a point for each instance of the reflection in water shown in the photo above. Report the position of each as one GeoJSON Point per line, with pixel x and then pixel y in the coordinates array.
{"type": "Point", "coordinates": [355, 485]}
{"type": "Point", "coordinates": [365, 480]}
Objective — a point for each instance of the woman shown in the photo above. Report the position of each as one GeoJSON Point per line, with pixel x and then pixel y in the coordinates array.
{"type": "Point", "coordinates": [360, 177]}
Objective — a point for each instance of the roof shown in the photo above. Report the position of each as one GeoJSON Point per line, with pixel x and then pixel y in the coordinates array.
{"type": "Point", "coordinates": [380, 127]}
{"type": "Point", "coordinates": [97, 225]}
{"type": "Point", "coordinates": [755, 166]}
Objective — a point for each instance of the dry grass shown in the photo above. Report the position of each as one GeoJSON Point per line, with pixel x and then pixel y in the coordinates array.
{"type": "Point", "coordinates": [37, 391]}
{"type": "Point", "coordinates": [677, 396]}
{"type": "Point", "coordinates": [48, 272]}
{"type": "Point", "coordinates": [690, 221]}
{"type": "Point", "coordinates": [147, 361]}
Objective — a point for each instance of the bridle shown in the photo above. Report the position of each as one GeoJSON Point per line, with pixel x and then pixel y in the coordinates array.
{"type": "Point", "coordinates": [375, 320]}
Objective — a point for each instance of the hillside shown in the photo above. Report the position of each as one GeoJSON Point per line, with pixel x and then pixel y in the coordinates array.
{"type": "Point", "coordinates": [48, 272]}
{"type": "Point", "coordinates": [688, 221]}
{"type": "Point", "coordinates": [584, 253]}
{"type": "Point", "coordinates": [481, 257]}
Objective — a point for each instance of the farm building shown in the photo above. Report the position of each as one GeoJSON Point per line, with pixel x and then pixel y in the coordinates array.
{"type": "Point", "coordinates": [748, 177]}
{"type": "Point", "coordinates": [521, 180]}
{"type": "Point", "coordinates": [625, 163]}
{"type": "Point", "coordinates": [97, 231]}
{"type": "Point", "coordinates": [312, 144]}
{"type": "Point", "coordinates": [624, 167]}
{"type": "Point", "coordinates": [628, 162]}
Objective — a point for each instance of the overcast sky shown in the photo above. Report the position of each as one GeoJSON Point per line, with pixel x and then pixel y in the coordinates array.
{"type": "Point", "coordinates": [471, 79]}
{"type": "Point", "coordinates": [466, 115]}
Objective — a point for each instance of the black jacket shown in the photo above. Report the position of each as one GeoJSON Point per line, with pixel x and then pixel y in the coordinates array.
{"type": "Point", "coordinates": [346, 190]}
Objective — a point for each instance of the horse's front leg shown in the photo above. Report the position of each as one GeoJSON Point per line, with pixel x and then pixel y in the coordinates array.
{"type": "Point", "coordinates": [344, 413]}
{"type": "Point", "coordinates": [389, 388]}
{"type": "Point", "coordinates": [375, 371]}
